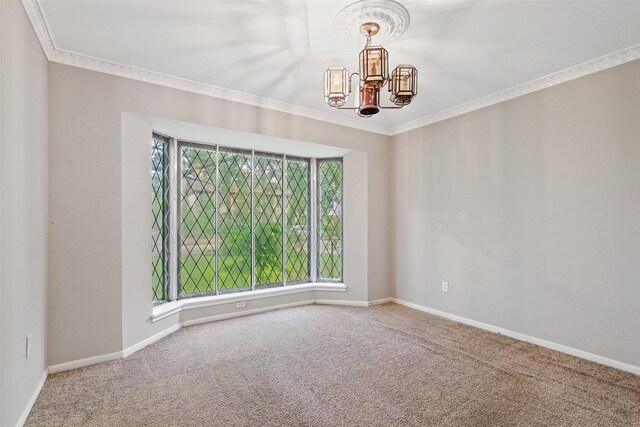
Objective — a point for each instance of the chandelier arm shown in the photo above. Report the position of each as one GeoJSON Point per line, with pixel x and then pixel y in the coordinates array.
{"type": "Point", "coordinates": [351, 78]}
{"type": "Point", "coordinates": [382, 107]}
{"type": "Point", "coordinates": [347, 108]}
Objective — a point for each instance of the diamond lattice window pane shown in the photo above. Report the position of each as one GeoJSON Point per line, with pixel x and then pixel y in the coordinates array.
{"type": "Point", "coordinates": [233, 207]}
{"type": "Point", "coordinates": [234, 263]}
{"type": "Point", "coordinates": [159, 216]}
{"type": "Point", "coordinates": [268, 220]}
{"type": "Point", "coordinates": [297, 220]}
{"type": "Point", "coordinates": [330, 220]}
{"type": "Point", "coordinates": [198, 219]}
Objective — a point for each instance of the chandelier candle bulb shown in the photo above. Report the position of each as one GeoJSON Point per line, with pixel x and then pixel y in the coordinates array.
{"type": "Point", "coordinates": [374, 64]}
{"type": "Point", "coordinates": [336, 83]}
{"type": "Point", "coordinates": [404, 83]}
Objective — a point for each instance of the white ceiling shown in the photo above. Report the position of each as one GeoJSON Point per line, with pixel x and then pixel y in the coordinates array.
{"type": "Point", "coordinates": [279, 49]}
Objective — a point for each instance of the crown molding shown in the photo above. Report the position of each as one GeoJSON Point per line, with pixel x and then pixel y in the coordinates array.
{"type": "Point", "coordinates": [571, 73]}
{"type": "Point", "coordinates": [41, 28]}
{"type": "Point", "coordinates": [61, 56]}
{"type": "Point", "coordinates": [147, 76]}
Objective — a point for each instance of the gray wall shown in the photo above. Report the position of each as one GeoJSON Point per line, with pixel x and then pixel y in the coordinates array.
{"type": "Point", "coordinates": [530, 209]}
{"type": "Point", "coordinates": [91, 173]}
{"type": "Point", "coordinates": [136, 227]}
{"type": "Point", "coordinates": [23, 210]}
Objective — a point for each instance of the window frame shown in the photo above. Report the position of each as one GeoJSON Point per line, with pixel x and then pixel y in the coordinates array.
{"type": "Point", "coordinates": [172, 274]}
{"type": "Point", "coordinates": [164, 237]}
{"type": "Point", "coordinates": [317, 230]}
{"type": "Point", "coordinates": [309, 161]}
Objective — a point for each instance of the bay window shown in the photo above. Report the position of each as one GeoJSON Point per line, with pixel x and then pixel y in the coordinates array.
{"type": "Point", "coordinates": [244, 219]}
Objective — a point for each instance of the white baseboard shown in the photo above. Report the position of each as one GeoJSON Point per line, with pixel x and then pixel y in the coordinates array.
{"type": "Point", "coordinates": [380, 301]}
{"type": "Point", "coordinates": [32, 401]}
{"type": "Point", "coordinates": [67, 366]}
{"type": "Point", "coordinates": [142, 344]}
{"type": "Point", "coordinates": [522, 337]}
{"type": "Point", "coordinates": [243, 313]}
{"type": "Point", "coordinates": [341, 302]}
{"type": "Point", "coordinates": [81, 363]}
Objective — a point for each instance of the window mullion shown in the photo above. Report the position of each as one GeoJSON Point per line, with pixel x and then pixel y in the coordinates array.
{"type": "Point", "coordinates": [217, 220]}
{"type": "Point", "coordinates": [166, 230]}
{"type": "Point", "coordinates": [284, 220]}
{"type": "Point", "coordinates": [174, 229]}
{"type": "Point", "coordinates": [313, 233]}
{"type": "Point", "coordinates": [341, 220]}
{"type": "Point", "coordinates": [253, 221]}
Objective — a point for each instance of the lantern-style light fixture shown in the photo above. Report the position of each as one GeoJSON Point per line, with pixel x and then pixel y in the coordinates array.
{"type": "Point", "coordinates": [374, 65]}
{"type": "Point", "coordinates": [373, 76]}
{"type": "Point", "coordinates": [336, 86]}
{"type": "Point", "coordinates": [403, 84]}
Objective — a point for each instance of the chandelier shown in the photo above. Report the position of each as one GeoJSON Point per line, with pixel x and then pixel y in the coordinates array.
{"type": "Point", "coordinates": [373, 75]}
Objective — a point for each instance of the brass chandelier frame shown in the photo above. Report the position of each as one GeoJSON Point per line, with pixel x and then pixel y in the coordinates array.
{"type": "Point", "coordinates": [373, 75]}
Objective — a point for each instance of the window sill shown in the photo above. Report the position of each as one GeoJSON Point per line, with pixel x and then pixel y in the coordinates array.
{"type": "Point", "coordinates": [170, 308]}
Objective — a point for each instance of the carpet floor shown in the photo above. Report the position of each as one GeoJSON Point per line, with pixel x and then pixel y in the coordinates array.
{"type": "Point", "coordinates": [340, 366]}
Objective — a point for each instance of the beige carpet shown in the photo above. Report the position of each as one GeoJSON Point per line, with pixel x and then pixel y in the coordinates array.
{"type": "Point", "coordinates": [340, 366]}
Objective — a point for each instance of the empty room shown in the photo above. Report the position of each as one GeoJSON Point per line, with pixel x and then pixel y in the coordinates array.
{"type": "Point", "coordinates": [319, 213]}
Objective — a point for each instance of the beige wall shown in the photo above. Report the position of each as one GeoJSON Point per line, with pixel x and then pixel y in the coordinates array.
{"type": "Point", "coordinates": [530, 209]}
{"type": "Point", "coordinates": [90, 268]}
{"type": "Point", "coordinates": [23, 211]}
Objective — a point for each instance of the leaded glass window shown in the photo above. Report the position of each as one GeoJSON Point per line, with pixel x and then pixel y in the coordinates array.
{"type": "Point", "coordinates": [159, 216]}
{"type": "Point", "coordinates": [268, 220]}
{"type": "Point", "coordinates": [297, 220]}
{"type": "Point", "coordinates": [330, 220]}
{"type": "Point", "coordinates": [242, 219]}
{"type": "Point", "coordinates": [197, 219]}
{"type": "Point", "coordinates": [235, 221]}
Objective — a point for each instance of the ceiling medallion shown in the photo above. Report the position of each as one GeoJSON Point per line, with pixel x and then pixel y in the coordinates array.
{"type": "Point", "coordinates": [392, 17]}
{"type": "Point", "coordinates": [372, 18]}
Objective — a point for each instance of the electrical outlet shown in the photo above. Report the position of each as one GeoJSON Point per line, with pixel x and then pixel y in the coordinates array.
{"type": "Point", "coordinates": [445, 286]}
{"type": "Point", "coordinates": [241, 304]}
{"type": "Point", "coordinates": [27, 346]}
